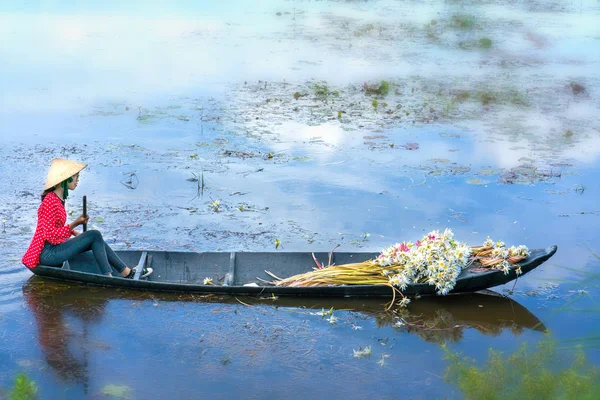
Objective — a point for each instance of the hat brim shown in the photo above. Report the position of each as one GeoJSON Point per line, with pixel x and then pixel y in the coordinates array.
{"type": "Point", "coordinates": [61, 170]}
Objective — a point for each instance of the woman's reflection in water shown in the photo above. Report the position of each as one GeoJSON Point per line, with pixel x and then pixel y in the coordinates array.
{"type": "Point", "coordinates": [62, 327]}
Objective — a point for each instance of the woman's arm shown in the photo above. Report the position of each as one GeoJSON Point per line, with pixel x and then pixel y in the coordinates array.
{"type": "Point", "coordinates": [55, 232]}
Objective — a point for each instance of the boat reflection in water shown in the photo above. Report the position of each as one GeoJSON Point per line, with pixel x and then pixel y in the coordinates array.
{"type": "Point", "coordinates": [64, 312]}
{"type": "Point", "coordinates": [436, 319]}
{"type": "Point", "coordinates": [444, 319]}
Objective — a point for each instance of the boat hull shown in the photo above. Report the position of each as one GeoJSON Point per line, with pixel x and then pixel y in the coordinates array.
{"type": "Point", "coordinates": [231, 272]}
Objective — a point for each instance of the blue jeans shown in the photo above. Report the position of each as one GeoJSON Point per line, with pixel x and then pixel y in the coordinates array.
{"type": "Point", "coordinates": [56, 255]}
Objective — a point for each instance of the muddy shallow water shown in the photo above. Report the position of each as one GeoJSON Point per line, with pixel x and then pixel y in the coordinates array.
{"type": "Point", "coordinates": [266, 106]}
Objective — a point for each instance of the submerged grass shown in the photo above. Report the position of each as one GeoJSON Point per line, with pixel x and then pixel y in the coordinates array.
{"type": "Point", "coordinates": [541, 374]}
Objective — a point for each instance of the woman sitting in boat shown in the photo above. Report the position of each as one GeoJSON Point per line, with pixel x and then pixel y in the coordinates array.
{"type": "Point", "coordinates": [52, 243]}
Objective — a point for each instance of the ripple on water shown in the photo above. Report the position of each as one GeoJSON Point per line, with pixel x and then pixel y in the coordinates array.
{"type": "Point", "coordinates": [11, 280]}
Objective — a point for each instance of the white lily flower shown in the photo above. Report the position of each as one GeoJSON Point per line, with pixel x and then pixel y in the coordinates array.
{"type": "Point", "coordinates": [366, 352]}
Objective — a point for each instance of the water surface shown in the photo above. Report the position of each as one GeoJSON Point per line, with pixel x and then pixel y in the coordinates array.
{"type": "Point", "coordinates": [499, 141]}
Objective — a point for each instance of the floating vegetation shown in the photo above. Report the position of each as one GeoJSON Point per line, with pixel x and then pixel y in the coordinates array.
{"type": "Point", "coordinates": [367, 30]}
{"type": "Point", "coordinates": [485, 43]}
{"type": "Point", "coordinates": [382, 361]}
{"type": "Point", "coordinates": [489, 171]}
{"type": "Point", "coordinates": [116, 391]}
{"type": "Point", "coordinates": [541, 374]}
{"type": "Point", "coordinates": [226, 360]}
{"type": "Point", "coordinates": [362, 353]}
{"type": "Point", "coordinates": [23, 389]}
{"type": "Point", "coordinates": [323, 313]}
{"type": "Point", "coordinates": [577, 88]}
{"type": "Point", "coordinates": [215, 205]}
{"type": "Point", "coordinates": [476, 181]}
{"type": "Point", "coordinates": [410, 146]}
{"type": "Point", "coordinates": [323, 91]}
{"type": "Point", "coordinates": [146, 119]}
{"type": "Point", "coordinates": [382, 90]}
{"type": "Point", "coordinates": [301, 159]}
{"type": "Point", "coordinates": [463, 21]}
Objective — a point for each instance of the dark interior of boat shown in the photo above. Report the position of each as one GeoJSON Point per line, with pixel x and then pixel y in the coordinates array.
{"type": "Point", "coordinates": [224, 268]}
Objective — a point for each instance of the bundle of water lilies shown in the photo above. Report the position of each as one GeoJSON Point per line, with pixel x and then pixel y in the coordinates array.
{"type": "Point", "coordinates": [436, 259]}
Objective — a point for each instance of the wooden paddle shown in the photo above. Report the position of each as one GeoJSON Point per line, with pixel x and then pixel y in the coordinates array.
{"type": "Point", "coordinates": [84, 212]}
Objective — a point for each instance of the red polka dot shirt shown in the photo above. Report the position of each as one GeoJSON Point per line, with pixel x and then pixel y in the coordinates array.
{"type": "Point", "coordinates": [51, 228]}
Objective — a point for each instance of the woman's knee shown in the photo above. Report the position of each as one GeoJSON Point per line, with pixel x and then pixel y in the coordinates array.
{"type": "Point", "coordinates": [94, 234]}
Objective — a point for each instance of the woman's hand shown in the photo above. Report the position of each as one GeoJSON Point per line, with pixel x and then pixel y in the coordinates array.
{"type": "Point", "coordinates": [82, 219]}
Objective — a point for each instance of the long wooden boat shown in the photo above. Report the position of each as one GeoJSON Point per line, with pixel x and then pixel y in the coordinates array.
{"type": "Point", "coordinates": [244, 273]}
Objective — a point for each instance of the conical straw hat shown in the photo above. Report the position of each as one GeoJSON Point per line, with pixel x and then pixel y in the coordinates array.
{"type": "Point", "coordinates": [60, 170]}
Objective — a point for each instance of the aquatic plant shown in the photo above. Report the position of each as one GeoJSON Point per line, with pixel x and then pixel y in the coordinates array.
{"type": "Point", "coordinates": [506, 96]}
{"type": "Point", "coordinates": [361, 353]}
{"type": "Point", "coordinates": [226, 360]}
{"type": "Point", "coordinates": [463, 21]}
{"type": "Point", "coordinates": [382, 361]}
{"type": "Point", "coordinates": [200, 183]}
{"type": "Point", "coordinates": [365, 30]}
{"type": "Point", "coordinates": [116, 391]}
{"type": "Point", "coordinates": [577, 88]}
{"type": "Point", "coordinates": [450, 106]}
{"type": "Point", "coordinates": [487, 98]}
{"type": "Point", "coordinates": [23, 389]}
{"type": "Point", "coordinates": [485, 43]}
{"type": "Point", "coordinates": [382, 90]}
{"type": "Point", "coordinates": [542, 374]}
{"type": "Point", "coordinates": [432, 29]}
{"type": "Point", "coordinates": [322, 90]}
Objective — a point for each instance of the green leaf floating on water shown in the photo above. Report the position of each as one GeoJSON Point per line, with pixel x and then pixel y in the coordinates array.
{"type": "Point", "coordinates": [489, 171]}
{"type": "Point", "coordinates": [98, 220]}
{"type": "Point", "coordinates": [117, 391]}
{"type": "Point", "coordinates": [476, 182]}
